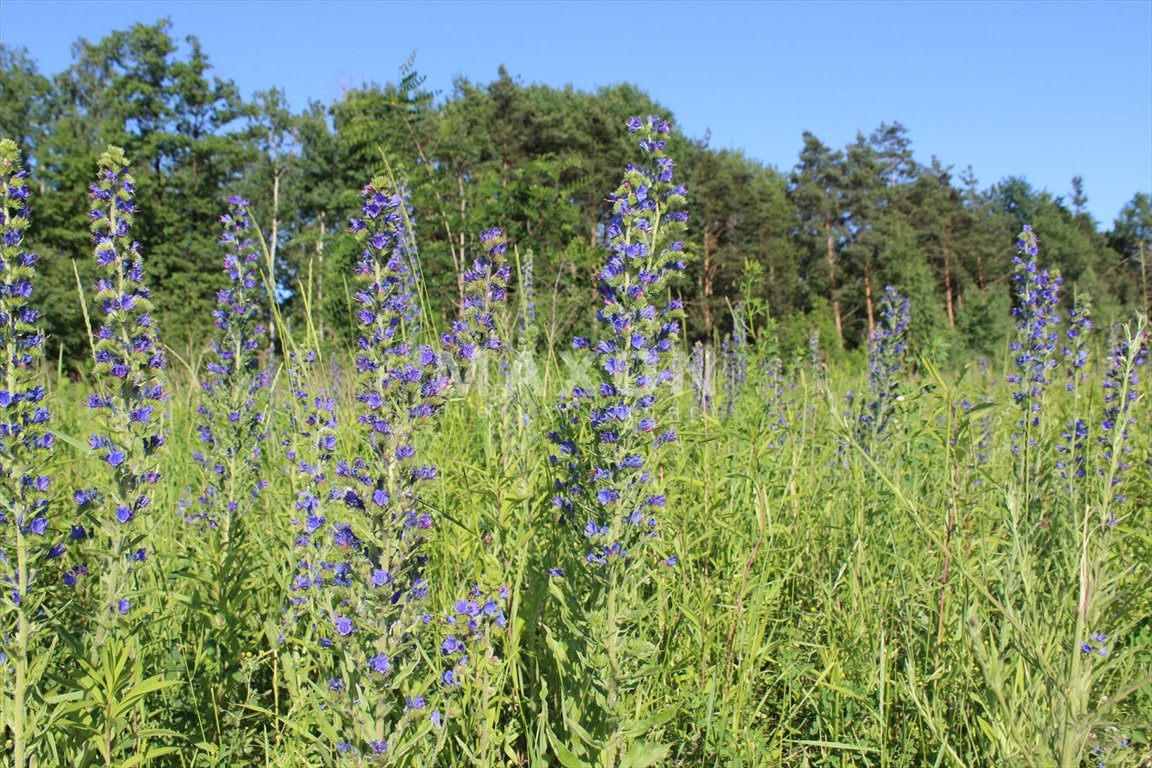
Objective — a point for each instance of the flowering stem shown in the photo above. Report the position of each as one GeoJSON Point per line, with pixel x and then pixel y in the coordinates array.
{"type": "Point", "coordinates": [1076, 700]}
{"type": "Point", "coordinates": [1124, 361]}
{"type": "Point", "coordinates": [607, 442]}
{"type": "Point", "coordinates": [23, 630]}
{"type": "Point", "coordinates": [611, 680]}
{"type": "Point", "coordinates": [23, 439]}
{"type": "Point", "coordinates": [23, 625]}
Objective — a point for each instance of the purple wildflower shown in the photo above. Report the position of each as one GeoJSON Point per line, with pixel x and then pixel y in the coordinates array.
{"type": "Point", "coordinates": [1121, 392]}
{"type": "Point", "coordinates": [234, 389]}
{"type": "Point", "coordinates": [1075, 346]}
{"type": "Point", "coordinates": [26, 545]}
{"type": "Point", "coordinates": [604, 478]}
{"type": "Point", "coordinates": [735, 352]}
{"type": "Point", "coordinates": [25, 441]}
{"type": "Point", "coordinates": [361, 521]}
{"type": "Point", "coordinates": [886, 351]}
{"type": "Point", "coordinates": [485, 288]}
{"type": "Point", "coordinates": [472, 631]}
{"type": "Point", "coordinates": [130, 366]}
{"type": "Point", "coordinates": [1095, 644]}
{"type": "Point", "coordinates": [1037, 316]}
{"type": "Point", "coordinates": [777, 395]}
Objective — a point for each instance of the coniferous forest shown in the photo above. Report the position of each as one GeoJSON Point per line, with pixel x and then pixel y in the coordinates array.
{"type": "Point", "coordinates": [815, 244]}
{"type": "Point", "coordinates": [509, 426]}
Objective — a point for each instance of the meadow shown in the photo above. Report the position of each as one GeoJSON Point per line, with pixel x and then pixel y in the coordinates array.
{"type": "Point", "coordinates": [456, 544]}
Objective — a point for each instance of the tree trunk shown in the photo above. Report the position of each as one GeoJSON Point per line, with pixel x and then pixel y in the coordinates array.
{"type": "Point", "coordinates": [275, 213]}
{"type": "Point", "coordinates": [320, 275]}
{"type": "Point", "coordinates": [868, 298]}
{"type": "Point", "coordinates": [272, 243]}
{"type": "Point", "coordinates": [767, 255]}
{"type": "Point", "coordinates": [832, 286]}
{"type": "Point", "coordinates": [948, 291]}
{"type": "Point", "coordinates": [706, 281]}
{"type": "Point", "coordinates": [1144, 275]}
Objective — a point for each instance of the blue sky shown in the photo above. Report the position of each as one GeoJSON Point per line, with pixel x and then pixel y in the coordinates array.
{"type": "Point", "coordinates": [1044, 90]}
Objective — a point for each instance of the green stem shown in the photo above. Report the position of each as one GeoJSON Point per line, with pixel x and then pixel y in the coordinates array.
{"type": "Point", "coordinates": [23, 625]}
{"type": "Point", "coordinates": [611, 679]}
{"type": "Point", "coordinates": [23, 630]}
{"type": "Point", "coordinates": [1076, 694]}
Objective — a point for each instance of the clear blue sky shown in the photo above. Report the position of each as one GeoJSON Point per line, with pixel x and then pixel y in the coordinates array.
{"type": "Point", "coordinates": [1044, 90]}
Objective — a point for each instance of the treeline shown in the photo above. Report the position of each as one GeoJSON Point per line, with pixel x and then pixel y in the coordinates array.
{"type": "Point", "coordinates": [812, 247]}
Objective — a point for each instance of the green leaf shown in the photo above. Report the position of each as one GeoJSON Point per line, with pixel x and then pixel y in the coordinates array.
{"type": "Point", "coordinates": [79, 445]}
{"type": "Point", "coordinates": [133, 695]}
{"type": "Point", "coordinates": [146, 757]}
{"type": "Point", "coordinates": [640, 727]}
{"type": "Point", "coordinates": [567, 757]}
{"type": "Point", "coordinates": [644, 755]}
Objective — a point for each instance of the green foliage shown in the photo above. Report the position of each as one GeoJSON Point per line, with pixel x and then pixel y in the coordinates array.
{"type": "Point", "coordinates": [24, 96]}
{"type": "Point", "coordinates": [137, 89]}
{"type": "Point", "coordinates": [829, 233]}
{"type": "Point", "coordinates": [985, 323]}
{"type": "Point", "coordinates": [1131, 237]}
{"type": "Point", "coordinates": [828, 608]}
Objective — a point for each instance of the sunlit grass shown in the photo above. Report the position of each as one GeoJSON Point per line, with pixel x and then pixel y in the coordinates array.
{"type": "Point", "coordinates": [830, 606]}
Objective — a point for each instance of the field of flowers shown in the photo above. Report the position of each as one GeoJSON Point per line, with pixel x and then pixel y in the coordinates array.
{"type": "Point", "coordinates": [454, 546]}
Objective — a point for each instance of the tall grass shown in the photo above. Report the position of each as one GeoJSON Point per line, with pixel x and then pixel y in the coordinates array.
{"type": "Point", "coordinates": [828, 607]}
{"type": "Point", "coordinates": [838, 597]}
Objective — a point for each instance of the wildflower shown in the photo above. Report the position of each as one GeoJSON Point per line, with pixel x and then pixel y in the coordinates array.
{"type": "Point", "coordinates": [312, 420]}
{"type": "Point", "coordinates": [774, 393]}
{"type": "Point", "coordinates": [1037, 298]}
{"type": "Point", "coordinates": [633, 357]}
{"type": "Point", "coordinates": [886, 349]}
{"type": "Point", "coordinates": [234, 390]}
{"type": "Point", "coordinates": [24, 437]}
{"type": "Point", "coordinates": [130, 367]}
{"type": "Point", "coordinates": [360, 521]}
{"type": "Point", "coordinates": [1121, 391]}
{"type": "Point", "coordinates": [1095, 644]}
{"type": "Point", "coordinates": [607, 439]}
{"type": "Point", "coordinates": [25, 443]}
{"type": "Point", "coordinates": [402, 382]}
{"type": "Point", "coordinates": [1075, 346]}
{"type": "Point", "coordinates": [472, 632]}
{"type": "Point", "coordinates": [485, 287]}
{"type": "Point", "coordinates": [1072, 445]}
{"type": "Point", "coordinates": [735, 352]}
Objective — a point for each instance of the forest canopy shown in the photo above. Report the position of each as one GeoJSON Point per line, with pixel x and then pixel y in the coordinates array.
{"type": "Point", "coordinates": [812, 246]}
